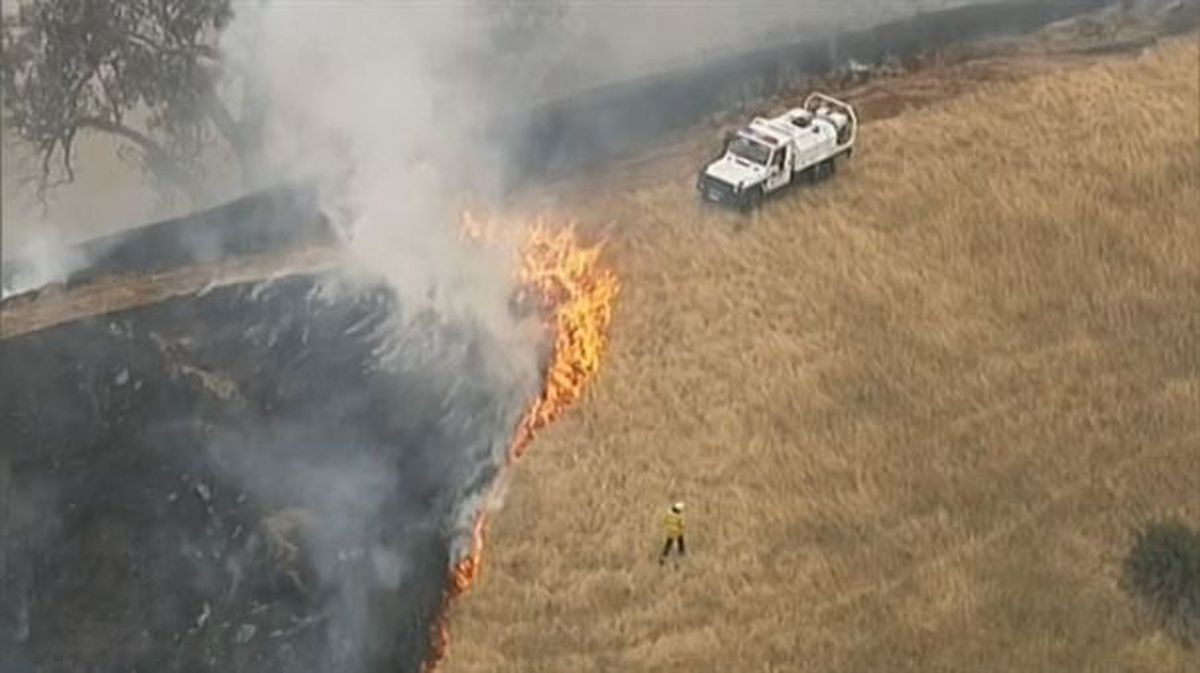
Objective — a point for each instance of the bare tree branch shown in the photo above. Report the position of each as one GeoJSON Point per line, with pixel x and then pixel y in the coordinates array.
{"type": "Point", "coordinates": [144, 71]}
{"type": "Point", "coordinates": [157, 159]}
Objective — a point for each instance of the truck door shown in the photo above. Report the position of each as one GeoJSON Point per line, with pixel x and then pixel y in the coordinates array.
{"type": "Point", "coordinates": [779, 170]}
{"type": "Point", "coordinates": [811, 148]}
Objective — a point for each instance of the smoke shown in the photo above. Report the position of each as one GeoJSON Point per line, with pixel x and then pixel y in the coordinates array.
{"type": "Point", "coordinates": [604, 42]}
{"type": "Point", "coordinates": [381, 106]}
{"type": "Point", "coordinates": [386, 107]}
{"type": "Point", "coordinates": [288, 469]}
{"type": "Point", "coordinates": [378, 103]}
{"type": "Point", "coordinates": [44, 259]}
{"type": "Point", "coordinates": [552, 48]}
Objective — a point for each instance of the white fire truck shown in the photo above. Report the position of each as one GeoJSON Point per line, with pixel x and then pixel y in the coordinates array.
{"type": "Point", "coordinates": [802, 145]}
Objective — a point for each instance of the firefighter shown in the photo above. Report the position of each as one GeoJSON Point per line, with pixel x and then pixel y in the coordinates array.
{"type": "Point", "coordinates": [673, 525]}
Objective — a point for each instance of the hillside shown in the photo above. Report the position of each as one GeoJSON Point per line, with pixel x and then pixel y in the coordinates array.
{"type": "Point", "coordinates": [915, 413]}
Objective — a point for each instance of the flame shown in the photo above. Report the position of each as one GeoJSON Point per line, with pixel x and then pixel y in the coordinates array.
{"type": "Point", "coordinates": [578, 293]}
{"type": "Point", "coordinates": [565, 281]}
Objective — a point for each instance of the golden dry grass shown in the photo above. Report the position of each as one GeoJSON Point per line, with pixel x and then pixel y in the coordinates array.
{"type": "Point", "coordinates": [915, 412]}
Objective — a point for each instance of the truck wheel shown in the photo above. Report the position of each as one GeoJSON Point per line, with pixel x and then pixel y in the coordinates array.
{"type": "Point", "coordinates": [832, 169]}
{"type": "Point", "coordinates": [753, 200]}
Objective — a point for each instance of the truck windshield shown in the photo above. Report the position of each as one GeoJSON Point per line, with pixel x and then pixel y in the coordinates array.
{"type": "Point", "coordinates": [750, 150]}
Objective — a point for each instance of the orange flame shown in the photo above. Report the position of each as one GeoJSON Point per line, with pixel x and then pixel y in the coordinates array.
{"type": "Point", "coordinates": [579, 294]}
{"type": "Point", "coordinates": [566, 281]}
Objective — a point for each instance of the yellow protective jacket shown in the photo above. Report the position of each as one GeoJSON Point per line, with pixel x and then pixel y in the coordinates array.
{"type": "Point", "coordinates": [673, 524]}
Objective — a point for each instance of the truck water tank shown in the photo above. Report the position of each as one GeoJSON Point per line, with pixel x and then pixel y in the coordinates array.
{"type": "Point", "coordinates": [839, 119]}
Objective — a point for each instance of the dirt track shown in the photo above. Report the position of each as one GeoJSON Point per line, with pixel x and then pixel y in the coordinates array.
{"type": "Point", "coordinates": [59, 304]}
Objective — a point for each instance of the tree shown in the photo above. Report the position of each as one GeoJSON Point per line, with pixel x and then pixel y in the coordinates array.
{"type": "Point", "coordinates": [145, 72]}
{"type": "Point", "coordinates": [1163, 572]}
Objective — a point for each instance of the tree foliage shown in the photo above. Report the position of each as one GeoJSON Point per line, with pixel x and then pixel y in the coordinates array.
{"type": "Point", "coordinates": [1163, 572]}
{"type": "Point", "coordinates": [143, 71]}
{"type": "Point", "coordinates": [148, 73]}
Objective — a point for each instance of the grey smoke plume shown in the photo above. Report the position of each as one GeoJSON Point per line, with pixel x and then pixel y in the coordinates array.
{"type": "Point", "coordinates": [379, 104]}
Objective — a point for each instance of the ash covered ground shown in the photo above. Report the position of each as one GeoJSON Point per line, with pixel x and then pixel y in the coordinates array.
{"type": "Point", "coordinates": [268, 477]}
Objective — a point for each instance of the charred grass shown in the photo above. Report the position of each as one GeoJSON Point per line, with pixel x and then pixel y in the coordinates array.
{"type": "Point", "coordinates": [917, 413]}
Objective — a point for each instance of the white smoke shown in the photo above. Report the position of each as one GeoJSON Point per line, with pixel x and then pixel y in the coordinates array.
{"type": "Point", "coordinates": [376, 101]}
{"type": "Point", "coordinates": [44, 259]}
{"type": "Point", "coordinates": [380, 105]}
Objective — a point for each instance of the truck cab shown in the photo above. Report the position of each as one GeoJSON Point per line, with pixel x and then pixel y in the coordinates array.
{"type": "Point", "coordinates": [769, 154]}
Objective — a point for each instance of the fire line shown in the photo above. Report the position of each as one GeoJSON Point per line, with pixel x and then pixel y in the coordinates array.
{"type": "Point", "coordinates": [575, 292]}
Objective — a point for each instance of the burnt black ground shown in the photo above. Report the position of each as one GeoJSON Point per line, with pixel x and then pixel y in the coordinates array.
{"type": "Point", "coordinates": [143, 451]}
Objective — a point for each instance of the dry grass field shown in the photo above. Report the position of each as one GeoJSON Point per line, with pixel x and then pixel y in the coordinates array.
{"type": "Point", "coordinates": [915, 413]}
